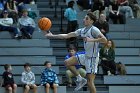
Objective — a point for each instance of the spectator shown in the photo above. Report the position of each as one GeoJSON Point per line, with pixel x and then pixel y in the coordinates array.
{"type": "Point", "coordinates": [114, 13]}
{"type": "Point", "coordinates": [26, 24]}
{"type": "Point", "coordinates": [49, 78]}
{"type": "Point", "coordinates": [8, 79]}
{"type": "Point", "coordinates": [28, 79]}
{"type": "Point", "coordinates": [107, 56]}
{"type": "Point", "coordinates": [6, 25]}
{"type": "Point", "coordinates": [102, 24]}
{"type": "Point", "coordinates": [135, 7]}
{"type": "Point", "coordinates": [98, 8]}
{"type": "Point", "coordinates": [125, 8]}
{"type": "Point", "coordinates": [72, 51]}
{"type": "Point", "coordinates": [71, 15]}
{"type": "Point", "coordinates": [12, 8]}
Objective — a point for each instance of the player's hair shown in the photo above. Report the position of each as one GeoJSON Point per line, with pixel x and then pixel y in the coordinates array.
{"type": "Point", "coordinates": [91, 16]}
{"type": "Point", "coordinates": [6, 66]}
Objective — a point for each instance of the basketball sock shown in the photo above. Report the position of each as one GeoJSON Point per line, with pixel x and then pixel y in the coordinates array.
{"type": "Point", "coordinates": [79, 78]}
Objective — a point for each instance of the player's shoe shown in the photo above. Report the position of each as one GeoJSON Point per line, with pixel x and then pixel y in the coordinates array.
{"type": "Point", "coordinates": [80, 84]}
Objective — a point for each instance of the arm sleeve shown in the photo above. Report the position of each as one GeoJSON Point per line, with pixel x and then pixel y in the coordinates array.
{"type": "Point", "coordinates": [23, 79]}
{"type": "Point", "coordinates": [56, 79]}
{"type": "Point", "coordinates": [42, 78]}
{"type": "Point", "coordinates": [33, 78]}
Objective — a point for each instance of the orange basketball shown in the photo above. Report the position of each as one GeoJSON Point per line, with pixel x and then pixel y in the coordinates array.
{"type": "Point", "coordinates": [44, 23]}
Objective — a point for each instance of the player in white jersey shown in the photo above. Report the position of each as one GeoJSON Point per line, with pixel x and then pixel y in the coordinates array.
{"type": "Point", "coordinates": [91, 37]}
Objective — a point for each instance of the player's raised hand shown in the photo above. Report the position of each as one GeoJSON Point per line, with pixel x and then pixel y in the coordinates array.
{"type": "Point", "coordinates": [48, 34]}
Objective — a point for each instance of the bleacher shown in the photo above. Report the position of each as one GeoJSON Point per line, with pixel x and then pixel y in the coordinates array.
{"type": "Point", "coordinates": [39, 49]}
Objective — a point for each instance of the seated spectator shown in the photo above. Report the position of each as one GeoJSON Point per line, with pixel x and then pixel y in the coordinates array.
{"type": "Point", "coordinates": [125, 8]}
{"type": "Point", "coordinates": [28, 79]}
{"type": "Point", "coordinates": [12, 8]}
{"type": "Point", "coordinates": [120, 69]}
{"type": "Point", "coordinates": [8, 80]}
{"type": "Point", "coordinates": [135, 7]}
{"type": "Point", "coordinates": [102, 24]}
{"type": "Point", "coordinates": [72, 51]}
{"type": "Point", "coordinates": [98, 8]}
{"type": "Point", "coordinates": [107, 56]}
{"type": "Point", "coordinates": [26, 24]}
{"type": "Point", "coordinates": [6, 25]}
{"type": "Point", "coordinates": [114, 13]}
{"type": "Point", "coordinates": [49, 78]}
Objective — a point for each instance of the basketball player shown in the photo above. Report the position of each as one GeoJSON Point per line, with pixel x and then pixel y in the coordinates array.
{"type": "Point", "coordinates": [91, 37]}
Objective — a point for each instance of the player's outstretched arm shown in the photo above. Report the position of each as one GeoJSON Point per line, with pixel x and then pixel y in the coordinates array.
{"type": "Point", "coordinates": [60, 36]}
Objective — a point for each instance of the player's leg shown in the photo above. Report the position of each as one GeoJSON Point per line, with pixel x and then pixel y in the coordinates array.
{"type": "Point", "coordinates": [80, 82]}
{"type": "Point", "coordinates": [91, 68]}
{"type": "Point", "coordinates": [90, 83]}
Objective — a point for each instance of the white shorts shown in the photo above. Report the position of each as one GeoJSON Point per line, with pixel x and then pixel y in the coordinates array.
{"type": "Point", "coordinates": [90, 63]}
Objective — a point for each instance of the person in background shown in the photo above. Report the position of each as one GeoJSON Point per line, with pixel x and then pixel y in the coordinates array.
{"type": "Point", "coordinates": [8, 79]}
{"type": "Point", "coordinates": [49, 78]}
{"type": "Point", "coordinates": [114, 13]}
{"type": "Point", "coordinates": [72, 51]}
{"type": "Point", "coordinates": [71, 15]}
{"type": "Point", "coordinates": [135, 7]}
{"type": "Point", "coordinates": [6, 24]}
{"type": "Point", "coordinates": [12, 9]}
{"type": "Point", "coordinates": [107, 56]}
{"type": "Point", "coordinates": [26, 24]}
{"type": "Point", "coordinates": [125, 9]}
{"type": "Point", "coordinates": [28, 79]}
{"type": "Point", "coordinates": [102, 25]}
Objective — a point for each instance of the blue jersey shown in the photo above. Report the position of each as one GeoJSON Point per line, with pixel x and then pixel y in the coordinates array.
{"type": "Point", "coordinates": [77, 54]}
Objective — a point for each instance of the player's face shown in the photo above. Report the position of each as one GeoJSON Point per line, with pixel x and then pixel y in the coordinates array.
{"type": "Point", "coordinates": [72, 52]}
{"type": "Point", "coordinates": [87, 21]}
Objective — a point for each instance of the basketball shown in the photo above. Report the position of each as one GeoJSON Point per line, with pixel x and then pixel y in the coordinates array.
{"type": "Point", "coordinates": [44, 23]}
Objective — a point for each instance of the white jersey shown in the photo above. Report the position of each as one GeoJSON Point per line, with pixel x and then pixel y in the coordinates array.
{"type": "Point", "coordinates": [91, 48]}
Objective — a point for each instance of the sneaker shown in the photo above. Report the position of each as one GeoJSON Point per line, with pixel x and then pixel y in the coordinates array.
{"type": "Point", "coordinates": [80, 84]}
